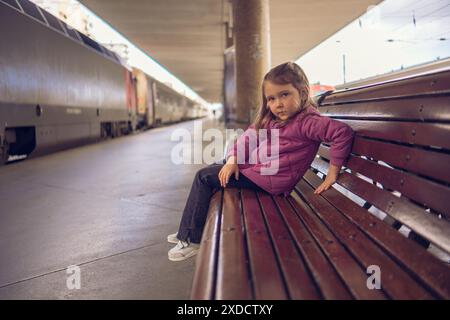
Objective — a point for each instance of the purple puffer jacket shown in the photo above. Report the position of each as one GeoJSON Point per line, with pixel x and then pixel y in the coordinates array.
{"type": "Point", "coordinates": [299, 140]}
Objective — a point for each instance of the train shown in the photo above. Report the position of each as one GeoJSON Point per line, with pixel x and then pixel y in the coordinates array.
{"type": "Point", "coordinates": [60, 89]}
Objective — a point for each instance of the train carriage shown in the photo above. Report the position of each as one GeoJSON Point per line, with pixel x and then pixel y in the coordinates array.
{"type": "Point", "coordinates": [59, 88]}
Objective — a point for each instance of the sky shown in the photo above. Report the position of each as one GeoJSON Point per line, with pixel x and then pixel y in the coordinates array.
{"type": "Point", "coordinates": [393, 35]}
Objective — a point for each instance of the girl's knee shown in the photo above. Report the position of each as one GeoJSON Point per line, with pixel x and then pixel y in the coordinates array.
{"type": "Point", "coordinates": [201, 173]}
{"type": "Point", "coordinates": [206, 174]}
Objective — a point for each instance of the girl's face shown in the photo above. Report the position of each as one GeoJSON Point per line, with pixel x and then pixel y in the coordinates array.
{"type": "Point", "coordinates": [283, 100]}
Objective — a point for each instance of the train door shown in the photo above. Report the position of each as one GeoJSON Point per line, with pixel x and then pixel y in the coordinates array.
{"type": "Point", "coordinates": [143, 96]}
{"type": "Point", "coordinates": [151, 89]}
{"type": "Point", "coordinates": [131, 97]}
{"type": "Point", "coordinates": [156, 105]}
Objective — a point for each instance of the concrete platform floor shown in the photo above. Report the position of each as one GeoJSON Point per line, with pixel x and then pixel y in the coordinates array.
{"type": "Point", "coordinates": [107, 208]}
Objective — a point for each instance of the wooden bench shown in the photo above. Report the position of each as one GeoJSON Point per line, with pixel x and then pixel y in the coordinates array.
{"type": "Point", "coordinates": [389, 208]}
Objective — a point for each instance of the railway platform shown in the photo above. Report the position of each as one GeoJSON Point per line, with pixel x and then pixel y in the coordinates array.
{"type": "Point", "coordinates": [106, 208]}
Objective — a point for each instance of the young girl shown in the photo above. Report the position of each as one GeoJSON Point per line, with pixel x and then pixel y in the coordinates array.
{"type": "Point", "coordinates": [288, 107]}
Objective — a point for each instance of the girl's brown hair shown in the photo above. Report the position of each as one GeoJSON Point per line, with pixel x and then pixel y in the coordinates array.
{"type": "Point", "coordinates": [286, 73]}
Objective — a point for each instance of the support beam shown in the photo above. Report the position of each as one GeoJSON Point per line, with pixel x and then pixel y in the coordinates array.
{"type": "Point", "coordinates": [252, 45]}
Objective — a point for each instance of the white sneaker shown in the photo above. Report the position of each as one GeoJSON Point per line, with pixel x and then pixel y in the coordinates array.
{"type": "Point", "coordinates": [172, 238]}
{"type": "Point", "coordinates": [183, 250]}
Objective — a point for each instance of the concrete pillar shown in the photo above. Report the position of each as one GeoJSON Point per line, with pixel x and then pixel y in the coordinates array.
{"type": "Point", "coordinates": [252, 45]}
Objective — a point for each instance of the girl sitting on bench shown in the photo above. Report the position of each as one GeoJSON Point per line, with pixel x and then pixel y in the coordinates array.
{"type": "Point", "coordinates": [289, 118]}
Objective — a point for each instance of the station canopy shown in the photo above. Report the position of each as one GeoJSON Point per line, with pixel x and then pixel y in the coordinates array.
{"type": "Point", "coordinates": [187, 37]}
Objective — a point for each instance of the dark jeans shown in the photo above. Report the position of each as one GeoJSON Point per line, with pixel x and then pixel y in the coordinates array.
{"type": "Point", "coordinates": [206, 183]}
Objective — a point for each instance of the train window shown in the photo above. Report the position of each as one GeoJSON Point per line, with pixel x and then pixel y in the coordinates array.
{"type": "Point", "coordinates": [115, 57]}
{"type": "Point", "coordinates": [108, 53]}
{"type": "Point", "coordinates": [73, 34]}
{"type": "Point", "coordinates": [91, 43]}
{"type": "Point", "coordinates": [52, 21]}
{"type": "Point", "coordinates": [31, 9]}
{"type": "Point", "coordinates": [111, 54]}
{"type": "Point", "coordinates": [70, 31]}
{"type": "Point", "coordinates": [63, 26]}
{"type": "Point", "coordinates": [12, 3]}
{"type": "Point", "coordinates": [102, 49]}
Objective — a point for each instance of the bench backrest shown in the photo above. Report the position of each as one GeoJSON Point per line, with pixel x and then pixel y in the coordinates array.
{"type": "Point", "coordinates": [400, 161]}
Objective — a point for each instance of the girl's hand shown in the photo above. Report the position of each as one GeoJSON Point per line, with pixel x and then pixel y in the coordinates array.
{"type": "Point", "coordinates": [333, 173]}
{"type": "Point", "coordinates": [329, 181]}
{"type": "Point", "coordinates": [227, 170]}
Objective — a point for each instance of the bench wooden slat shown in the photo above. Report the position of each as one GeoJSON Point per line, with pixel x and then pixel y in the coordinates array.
{"type": "Point", "coordinates": [399, 284]}
{"type": "Point", "coordinates": [434, 273]}
{"type": "Point", "coordinates": [436, 83]}
{"type": "Point", "coordinates": [425, 134]}
{"type": "Point", "coordinates": [421, 190]}
{"type": "Point", "coordinates": [267, 280]}
{"type": "Point", "coordinates": [233, 277]}
{"type": "Point", "coordinates": [425, 162]}
{"type": "Point", "coordinates": [346, 266]}
{"type": "Point", "coordinates": [428, 226]}
{"type": "Point", "coordinates": [298, 281]}
{"type": "Point", "coordinates": [413, 109]}
{"type": "Point", "coordinates": [328, 281]}
{"type": "Point", "coordinates": [205, 274]}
